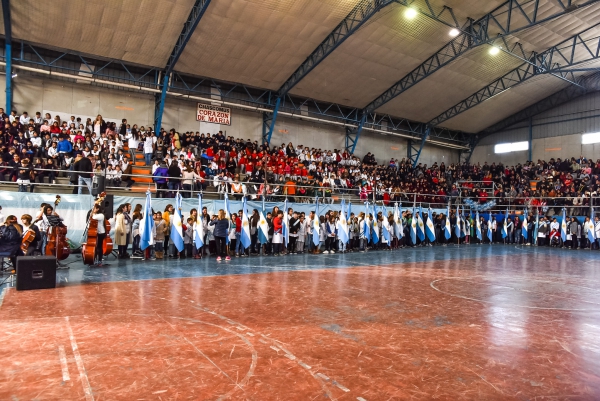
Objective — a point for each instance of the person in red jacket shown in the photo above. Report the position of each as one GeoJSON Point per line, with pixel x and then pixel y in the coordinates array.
{"type": "Point", "coordinates": [277, 233]}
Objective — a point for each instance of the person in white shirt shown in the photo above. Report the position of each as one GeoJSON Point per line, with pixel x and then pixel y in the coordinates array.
{"type": "Point", "coordinates": [24, 120]}
{"type": "Point", "coordinates": [99, 217]}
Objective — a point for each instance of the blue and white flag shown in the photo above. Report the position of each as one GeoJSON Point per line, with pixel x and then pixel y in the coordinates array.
{"type": "Point", "coordinates": [286, 224]}
{"type": "Point", "coordinates": [375, 229]}
{"type": "Point", "coordinates": [420, 225]}
{"type": "Point", "coordinates": [342, 226]}
{"type": "Point", "coordinates": [263, 226]}
{"type": "Point", "coordinates": [478, 232]}
{"type": "Point", "coordinates": [227, 216]}
{"type": "Point", "coordinates": [429, 228]}
{"type": "Point", "coordinates": [457, 229]}
{"type": "Point", "coordinates": [398, 229]}
{"type": "Point", "coordinates": [413, 226]}
{"type": "Point", "coordinates": [367, 222]}
{"type": "Point", "coordinates": [525, 223]}
{"type": "Point", "coordinates": [490, 234]}
{"type": "Point", "coordinates": [591, 229]}
{"type": "Point", "coordinates": [177, 224]}
{"type": "Point", "coordinates": [505, 226]}
{"type": "Point", "coordinates": [385, 231]}
{"type": "Point", "coordinates": [199, 226]}
{"type": "Point", "coordinates": [447, 228]}
{"type": "Point", "coordinates": [245, 233]}
{"type": "Point", "coordinates": [463, 226]}
{"type": "Point", "coordinates": [146, 224]}
{"type": "Point", "coordinates": [316, 226]}
{"type": "Point", "coordinates": [563, 225]}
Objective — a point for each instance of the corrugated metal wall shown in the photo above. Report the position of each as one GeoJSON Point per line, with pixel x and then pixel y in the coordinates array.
{"type": "Point", "coordinates": [564, 124]}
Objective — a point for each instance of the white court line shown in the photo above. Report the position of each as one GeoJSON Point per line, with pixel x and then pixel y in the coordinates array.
{"type": "Point", "coordinates": [2, 296]}
{"type": "Point", "coordinates": [87, 389]}
{"type": "Point", "coordinates": [63, 363]}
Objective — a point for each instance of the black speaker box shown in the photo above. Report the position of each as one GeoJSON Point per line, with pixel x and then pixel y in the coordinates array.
{"type": "Point", "coordinates": [109, 206]}
{"type": "Point", "coordinates": [98, 185]}
{"type": "Point", "coordinates": [36, 272]}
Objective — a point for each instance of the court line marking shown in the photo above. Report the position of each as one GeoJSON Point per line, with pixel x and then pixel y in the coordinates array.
{"type": "Point", "coordinates": [87, 389]}
{"type": "Point", "coordinates": [432, 285]}
{"type": "Point", "coordinates": [237, 385]}
{"type": "Point", "coordinates": [2, 296]}
{"type": "Point", "coordinates": [63, 363]}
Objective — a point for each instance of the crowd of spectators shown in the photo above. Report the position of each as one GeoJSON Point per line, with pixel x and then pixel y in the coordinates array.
{"type": "Point", "coordinates": [36, 148]}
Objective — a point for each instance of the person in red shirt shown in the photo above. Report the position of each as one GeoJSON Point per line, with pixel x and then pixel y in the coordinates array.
{"type": "Point", "coordinates": [277, 233]}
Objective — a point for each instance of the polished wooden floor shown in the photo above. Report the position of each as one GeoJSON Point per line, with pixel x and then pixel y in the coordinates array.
{"type": "Point", "coordinates": [445, 323]}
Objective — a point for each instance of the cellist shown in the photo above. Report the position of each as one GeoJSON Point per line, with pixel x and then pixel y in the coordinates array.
{"type": "Point", "coordinates": [27, 226]}
{"type": "Point", "coordinates": [96, 214]}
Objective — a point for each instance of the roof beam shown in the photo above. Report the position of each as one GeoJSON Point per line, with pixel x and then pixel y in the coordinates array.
{"type": "Point", "coordinates": [502, 19]}
{"type": "Point", "coordinates": [571, 52]}
{"type": "Point", "coordinates": [189, 27]}
{"type": "Point", "coordinates": [590, 83]}
{"type": "Point", "coordinates": [359, 15]}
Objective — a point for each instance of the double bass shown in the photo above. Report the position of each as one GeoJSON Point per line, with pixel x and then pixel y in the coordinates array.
{"type": "Point", "coordinates": [88, 248]}
{"type": "Point", "coordinates": [57, 244]}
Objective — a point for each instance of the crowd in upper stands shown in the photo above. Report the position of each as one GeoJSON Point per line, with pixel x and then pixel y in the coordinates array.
{"type": "Point", "coordinates": [36, 148]}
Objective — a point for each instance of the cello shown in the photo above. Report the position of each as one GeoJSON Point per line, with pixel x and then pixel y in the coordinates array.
{"type": "Point", "coordinates": [88, 248]}
{"type": "Point", "coordinates": [57, 239]}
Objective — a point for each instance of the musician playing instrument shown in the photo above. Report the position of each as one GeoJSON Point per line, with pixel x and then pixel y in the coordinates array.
{"type": "Point", "coordinates": [99, 217]}
{"type": "Point", "coordinates": [32, 244]}
{"type": "Point", "coordinates": [10, 239]}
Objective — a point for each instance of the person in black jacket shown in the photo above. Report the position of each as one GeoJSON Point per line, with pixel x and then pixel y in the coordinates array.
{"type": "Point", "coordinates": [10, 239]}
{"type": "Point", "coordinates": [83, 169]}
{"type": "Point", "coordinates": [174, 178]}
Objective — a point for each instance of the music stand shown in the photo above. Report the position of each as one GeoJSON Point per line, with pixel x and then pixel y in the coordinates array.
{"type": "Point", "coordinates": [55, 221]}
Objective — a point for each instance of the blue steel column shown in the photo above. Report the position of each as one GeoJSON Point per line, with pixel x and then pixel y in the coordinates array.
{"type": "Point", "coordinates": [8, 54]}
{"type": "Point", "coordinates": [423, 140]}
{"type": "Point", "coordinates": [353, 135]}
{"type": "Point", "coordinates": [269, 120]}
{"type": "Point", "coordinates": [159, 105]}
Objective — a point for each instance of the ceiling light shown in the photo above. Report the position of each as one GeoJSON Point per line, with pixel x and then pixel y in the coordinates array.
{"type": "Point", "coordinates": [494, 50]}
{"type": "Point", "coordinates": [14, 75]}
{"type": "Point", "coordinates": [454, 32]}
{"type": "Point", "coordinates": [410, 13]}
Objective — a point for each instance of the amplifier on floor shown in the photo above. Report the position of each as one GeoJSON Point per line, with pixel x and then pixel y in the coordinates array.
{"type": "Point", "coordinates": [36, 272]}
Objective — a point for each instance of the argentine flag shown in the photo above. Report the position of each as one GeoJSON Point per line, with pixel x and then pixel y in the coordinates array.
{"type": "Point", "coordinates": [591, 229]}
{"type": "Point", "coordinates": [478, 233]}
{"type": "Point", "coordinates": [286, 224]}
{"type": "Point", "coordinates": [536, 228]}
{"type": "Point", "coordinates": [490, 234]}
{"type": "Point", "coordinates": [367, 222]}
{"type": "Point", "coordinates": [563, 226]}
{"type": "Point", "coordinates": [457, 229]}
{"type": "Point", "coordinates": [413, 227]}
{"type": "Point", "coordinates": [263, 226]}
{"type": "Point", "coordinates": [463, 226]}
{"type": "Point", "coordinates": [429, 228]}
{"type": "Point", "coordinates": [342, 226]}
{"type": "Point", "coordinates": [420, 225]}
{"type": "Point", "coordinates": [245, 233]}
{"type": "Point", "coordinates": [505, 226]}
{"type": "Point", "coordinates": [375, 230]}
{"type": "Point", "coordinates": [177, 225]}
{"type": "Point", "coordinates": [447, 228]}
{"type": "Point", "coordinates": [146, 237]}
{"type": "Point", "coordinates": [315, 225]}
{"type": "Point", "coordinates": [524, 226]}
{"type": "Point", "coordinates": [398, 229]}
{"type": "Point", "coordinates": [199, 226]}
